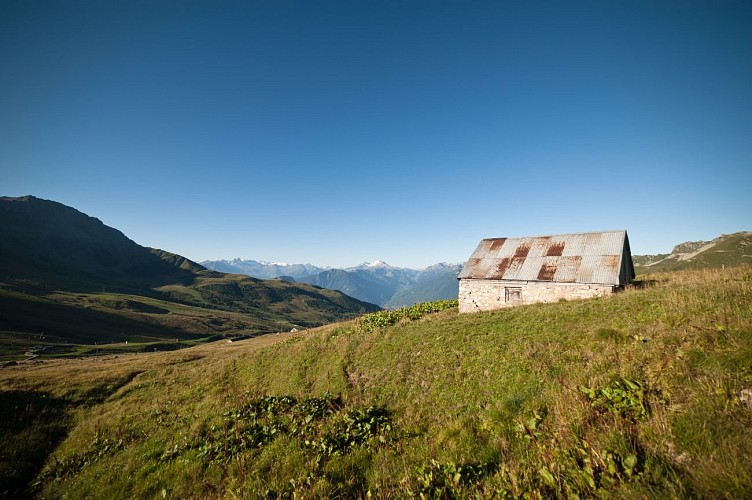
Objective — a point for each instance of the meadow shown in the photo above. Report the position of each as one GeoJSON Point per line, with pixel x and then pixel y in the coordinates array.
{"type": "Point", "coordinates": [646, 393]}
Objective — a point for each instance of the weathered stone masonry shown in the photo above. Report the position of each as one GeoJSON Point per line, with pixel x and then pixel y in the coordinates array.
{"type": "Point", "coordinates": [487, 295]}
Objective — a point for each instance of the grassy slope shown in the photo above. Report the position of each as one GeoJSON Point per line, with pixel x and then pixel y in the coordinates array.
{"type": "Point", "coordinates": [731, 250]}
{"type": "Point", "coordinates": [297, 303]}
{"type": "Point", "coordinates": [475, 404]}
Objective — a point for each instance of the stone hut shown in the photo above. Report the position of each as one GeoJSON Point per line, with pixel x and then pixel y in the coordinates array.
{"type": "Point", "coordinates": [505, 272]}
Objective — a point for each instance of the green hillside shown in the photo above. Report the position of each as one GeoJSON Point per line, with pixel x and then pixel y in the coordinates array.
{"type": "Point", "coordinates": [168, 317]}
{"type": "Point", "coordinates": [726, 250]}
{"type": "Point", "coordinates": [646, 393]}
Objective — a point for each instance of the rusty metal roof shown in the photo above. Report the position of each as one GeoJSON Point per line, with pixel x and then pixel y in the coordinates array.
{"type": "Point", "coordinates": [597, 258]}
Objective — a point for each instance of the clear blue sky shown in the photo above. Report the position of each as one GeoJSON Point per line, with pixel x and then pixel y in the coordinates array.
{"type": "Point", "coordinates": [337, 132]}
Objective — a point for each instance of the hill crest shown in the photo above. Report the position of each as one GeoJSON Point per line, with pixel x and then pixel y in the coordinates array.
{"type": "Point", "coordinates": [725, 250]}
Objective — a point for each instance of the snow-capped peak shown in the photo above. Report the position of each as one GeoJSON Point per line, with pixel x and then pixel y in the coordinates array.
{"type": "Point", "coordinates": [376, 263]}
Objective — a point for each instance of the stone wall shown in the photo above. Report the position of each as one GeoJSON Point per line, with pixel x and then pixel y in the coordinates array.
{"type": "Point", "coordinates": [485, 295]}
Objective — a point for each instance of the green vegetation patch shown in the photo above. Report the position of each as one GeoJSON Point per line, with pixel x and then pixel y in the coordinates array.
{"type": "Point", "coordinates": [381, 319]}
{"type": "Point", "coordinates": [323, 426]}
{"type": "Point", "coordinates": [624, 397]}
{"type": "Point", "coordinates": [319, 429]}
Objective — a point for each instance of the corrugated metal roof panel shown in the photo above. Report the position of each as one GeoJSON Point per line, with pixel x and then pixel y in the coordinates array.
{"type": "Point", "coordinates": [484, 247]}
{"type": "Point", "coordinates": [573, 246]}
{"type": "Point", "coordinates": [567, 258]}
{"type": "Point", "coordinates": [566, 271]}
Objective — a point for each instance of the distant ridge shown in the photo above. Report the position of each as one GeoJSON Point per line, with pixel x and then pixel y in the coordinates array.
{"type": "Point", "coordinates": [725, 250]}
{"type": "Point", "coordinates": [262, 270]}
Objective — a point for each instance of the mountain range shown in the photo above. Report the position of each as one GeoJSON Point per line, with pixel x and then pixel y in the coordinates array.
{"type": "Point", "coordinates": [375, 282]}
{"type": "Point", "coordinates": [263, 270]}
{"type": "Point", "coordinates": [66, 275]}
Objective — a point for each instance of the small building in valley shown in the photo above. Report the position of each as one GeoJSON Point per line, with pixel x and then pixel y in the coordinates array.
{"type": "Point", "coordinates": [505, 272]}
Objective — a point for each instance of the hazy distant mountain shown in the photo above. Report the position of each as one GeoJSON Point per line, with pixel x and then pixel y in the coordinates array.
{"type": "Point", "coordinates": [391, 287]}
{"type": "Point", "coordinates": [437, 282]}
{"type": "Point", "coordinates": [263, 270]}
{"type": "Point", "coordinates": [726, 250]}
{"type": "Point", "coordinates": [67, 274]}
{"type": "Point", "coordinates": [376, 282]}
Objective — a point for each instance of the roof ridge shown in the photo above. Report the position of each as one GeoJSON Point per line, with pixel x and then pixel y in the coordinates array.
{"type": "Point", "coordinates": [557, 234]}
